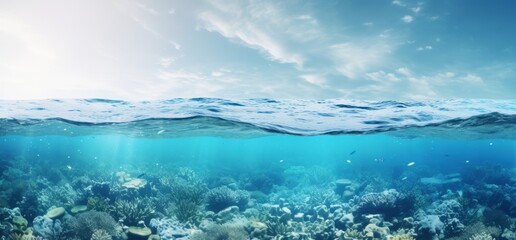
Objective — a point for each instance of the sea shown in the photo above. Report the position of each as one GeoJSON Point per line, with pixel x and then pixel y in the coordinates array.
{"type": "Point", "coordinates": [209, 168]}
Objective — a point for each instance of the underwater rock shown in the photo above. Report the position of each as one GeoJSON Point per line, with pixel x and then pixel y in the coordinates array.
{"type": "Point", "coordinates": [56, 213]}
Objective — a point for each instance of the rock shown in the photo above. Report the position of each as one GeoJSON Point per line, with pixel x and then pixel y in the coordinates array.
{"type": "Point", "coordinates": [56, 213]}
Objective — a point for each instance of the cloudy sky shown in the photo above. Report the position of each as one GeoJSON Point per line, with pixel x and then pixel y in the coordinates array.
{"type": "Point", "coordinates": [359, 49]}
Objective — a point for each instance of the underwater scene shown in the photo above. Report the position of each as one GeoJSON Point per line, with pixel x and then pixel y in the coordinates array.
{"type": "Point", "coordinates": [218, 169]}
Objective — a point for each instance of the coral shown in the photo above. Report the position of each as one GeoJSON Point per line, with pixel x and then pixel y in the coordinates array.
{"type": "Point", "coordinates": [169, 229]}
{"type": "Point", "coordinates": [353, 234]}
{"type": "Point", "coordinates": [90, 221]}
{"type": "Point", "coordinates": [223, 197]}
{"type": "Point", "coordinates": [478, 228]}
{"type": "Point", "coordinates": [100, 234]}
{"type": "Point", "coordinates": [390, 203]}
{"type": "Point", "coordinates": [222, 232]}
{"type": "Point", "coordinates": [495, 217]}
{"type": "Point", "coordinates": [481, 236]}
{"type": "Point", "coordinates": [99, 204]}
{"type": "Point", "coordinates": [401, 237]}
{"type": "Point", "coordinates": [63, 195]}
{"type": "Point", "coordinates": [449, 212]}
{"type": "Point", "coordinates": [47, 228]}
{"type": "Point", "coordinates": [428, 226]}
{"type": "Point", "coordinates": [19, 236]}
{"type": "Point", "coordinates": [188, 193]}
{"type": "Point", "coordinates": [131, 212]}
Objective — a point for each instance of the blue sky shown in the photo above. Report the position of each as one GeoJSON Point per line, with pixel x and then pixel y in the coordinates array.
{"type": "Point", "coordinates": [357, 49]}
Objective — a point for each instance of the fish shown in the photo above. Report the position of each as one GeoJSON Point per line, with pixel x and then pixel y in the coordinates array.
{"type": "Point", "coordinates": [404, 178]}
{"type": "Point", "coordinates": [281, 160]}
{"type": "Point", "coordinates": [69, 167]}
{"type": "Point", "coordinates": [141, 175]}
{"type": "Point", "coordinates": [161, 131]}
{"type": "Point", "coordinates": [410, 164]}
{"type": "Point", "coordinates": [348, 161]}
{"type": "Point", "coordinates": [352, 152]}
{"type": "Point", "coordinates": [467, 161]}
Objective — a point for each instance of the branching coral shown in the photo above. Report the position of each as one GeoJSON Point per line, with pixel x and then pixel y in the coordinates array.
{"type": "Point", "coordinates": [90, 221]}
{"type": "Point", "coordinates": [223, 197]}
{"type": "Point", "coordinates": [131, 212]}
{"type": "Point", "coordinates": [188, 191]}
{"type": "Point", "coordinates": [222, 232]}
{"type": "Point", "coordinates": [100, 234]}
{"type": "Point", "coordinates": [63, 195]}
{"type": "Point", "coordinates": [481, 236]}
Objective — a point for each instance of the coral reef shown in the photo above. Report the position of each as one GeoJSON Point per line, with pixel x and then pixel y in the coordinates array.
{"type": "Point", "coordinates": [222, 197]}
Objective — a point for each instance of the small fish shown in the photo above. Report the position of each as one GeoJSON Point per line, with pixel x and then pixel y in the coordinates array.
{"type": "Point", "coordinates": [491, 144]}
{"type": "Point", "coordinates": [69, 167]}
{"type": "Point", "coordinates": [141, 175]}
{"type": "Point", "coordinates": [467, 161]}
{"type": "Point", "coordinates": [161, 131]}
{"type": "Point", "coordinates": [404, 178]}
{"type": "Point", "coordinates": [352, 152]}
{"type": "Point", "coordinates": [410, 164]}
{"type": "Point", "coordinates": [348, 161]}
{"type": "Point", "coordinates": [378, 160]}
{"type": "Point", "coordinates": [281, 160]}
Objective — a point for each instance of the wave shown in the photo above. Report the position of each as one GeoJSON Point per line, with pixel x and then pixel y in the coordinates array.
{"type": "Point", "coordinates": [462, 118]}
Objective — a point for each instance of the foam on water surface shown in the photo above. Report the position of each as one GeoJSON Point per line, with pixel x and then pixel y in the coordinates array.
{"type": "Point", "coordinates": [468, 118]}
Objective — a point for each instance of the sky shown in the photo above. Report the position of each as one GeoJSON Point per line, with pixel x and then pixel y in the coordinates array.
{"type": "Point", "coordinates": [353, 49]}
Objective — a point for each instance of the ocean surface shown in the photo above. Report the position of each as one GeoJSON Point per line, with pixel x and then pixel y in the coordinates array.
{"type": "Point", "coordinates": [206, 168]}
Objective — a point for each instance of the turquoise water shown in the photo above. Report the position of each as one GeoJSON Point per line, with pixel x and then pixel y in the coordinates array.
{"type": "Point", "coordinates": [386, 170]}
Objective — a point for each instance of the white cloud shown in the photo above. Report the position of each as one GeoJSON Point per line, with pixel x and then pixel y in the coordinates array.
{"type": "Point", "coordinates": [263, 25]}
{"type": "Point", "coordinates": [353, 60]}
{"type": "Point", "coordinates": [416, 9]}
{"type": "Point", "coordinates": [381, 76]}
{"type": "Point", "coordinates": [399, 3]}
{"type": "Point", "coordinates": [434, 18]}
{"type": "Point", "coordinates": [314, 79]}
{"type": "Point", "coordinates": [176, 45]}
{"type": "Point", "coordinates": [217, 73]}
{"type": "Point", "coordinates": [404, 71]}
{"type": "Point", "coordinates": [166, 61]}
{"type": "Point", "coordinates": [472, 78]}
{"type": "Point", "coordinates": [148, 9]}
{"type": "Point", "coordinates": [427, 47]}
{"type": "Point", "coordinates": [407, 19]}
